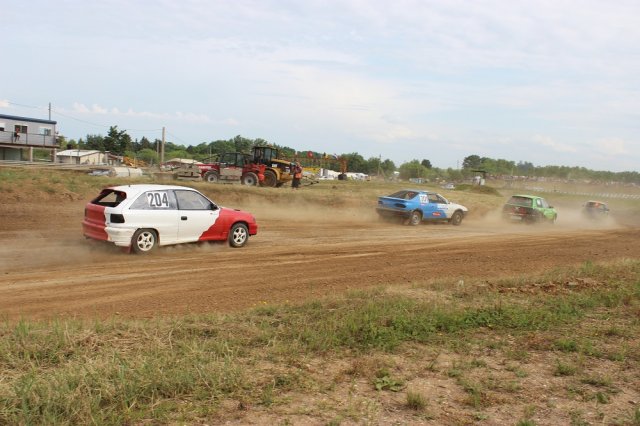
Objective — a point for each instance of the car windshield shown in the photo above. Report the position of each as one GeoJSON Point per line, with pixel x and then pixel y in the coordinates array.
{"type": "Point", "coordinates": [520, 201]}
{"type": "Point", "coordinates": [404, 194]}
{"type": "Point", "coordinates": [109, 198]}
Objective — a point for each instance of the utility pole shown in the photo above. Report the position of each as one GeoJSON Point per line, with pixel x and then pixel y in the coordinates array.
{"type": "Point", "coordinates": [49, 111]}
{"type": "Point", "coordinates": [162, 148]}
{"type": "Point", "coordinates": [380, 171]}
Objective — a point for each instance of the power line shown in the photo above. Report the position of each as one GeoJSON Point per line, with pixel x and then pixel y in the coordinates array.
{"type": "Point", "coordinates": [25, 106]}
{"type": "Point", "coordinates": [175, 137]}
{"type": "Point", "coordinates": [77, 119]}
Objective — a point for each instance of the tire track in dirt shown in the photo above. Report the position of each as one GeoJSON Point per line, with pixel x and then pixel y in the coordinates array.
{"type": "Point", "coordinates": [286, 263]}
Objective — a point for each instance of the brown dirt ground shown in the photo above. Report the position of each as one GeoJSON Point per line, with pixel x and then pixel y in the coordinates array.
{"type": "Point", "coordinates": [48, 269]}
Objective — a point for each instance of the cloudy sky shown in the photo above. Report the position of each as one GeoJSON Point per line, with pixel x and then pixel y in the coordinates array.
{"type": "Point", "coordinates": [551, 82]}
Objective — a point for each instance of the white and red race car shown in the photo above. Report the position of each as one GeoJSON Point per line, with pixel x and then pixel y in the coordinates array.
{"type": "Point", "coordinates": [142, 217]}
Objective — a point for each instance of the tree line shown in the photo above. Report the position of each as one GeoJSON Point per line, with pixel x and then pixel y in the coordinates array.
{"type": "Point", "coordinates": [119, 142]}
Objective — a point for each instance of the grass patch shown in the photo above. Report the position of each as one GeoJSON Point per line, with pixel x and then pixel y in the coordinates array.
{"type": "Point", "coordinates": [416, 401]}
{"type": "Point", "coordinates": [182, 370]}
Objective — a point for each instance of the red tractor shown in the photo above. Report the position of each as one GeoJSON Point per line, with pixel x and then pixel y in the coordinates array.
{"type": "Point", "coordinates": [233, 167]}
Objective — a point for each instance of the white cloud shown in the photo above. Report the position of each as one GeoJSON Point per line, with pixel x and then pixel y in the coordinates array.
{"type": "Point", "coordinates": [548, 142]}
{"type": "Point", "coordinates": [610, 147]}
{"type": "Point", "coordinates": [130, 112]}
{"type": "Point", "coordinates": [349, 74]}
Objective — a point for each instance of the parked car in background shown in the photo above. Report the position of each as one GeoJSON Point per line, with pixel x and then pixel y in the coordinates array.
{"type": "Point", "coordinates": [143, 217]}
{"type": "Point", "coordinates": [595, 210]}
{"type": "Point", "coordinates": [415, 206]}
{"type": "Point", "coordinates": [528, 209]}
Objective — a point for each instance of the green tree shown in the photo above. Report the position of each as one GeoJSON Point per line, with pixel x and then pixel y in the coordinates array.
{"type": "Point", "coordinates": [148, 155]}
{"type": "Point", "coordinates": [94, 142]}
{"type": "Point", "coordinates": [472, 162]}
{"type": "Point", "coordinates": [117, 141]}
{"type": "Point", "coordinates": [388, 167]}
{"type": "Point", "coordinates": [426, 163]}
{"type": "Point", "coordinates": [412, 170]}
{"type": "Point", "coordinates": [355, 163]}
{"type": "Point", "coordinates": [177, 153]}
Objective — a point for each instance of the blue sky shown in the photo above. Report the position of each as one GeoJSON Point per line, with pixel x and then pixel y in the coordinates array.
{"type": "Point", "coordinates": [551, 82]}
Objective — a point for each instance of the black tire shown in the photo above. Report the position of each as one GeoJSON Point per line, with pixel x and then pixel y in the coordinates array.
{"type": "Point", "coordinates": [250, 179]}
{"type": "Point", "coordinates": [414, 219]}
{"type": "Point", "coordinates": [270, 179]}
{"type": "Point", "coordinates": [144, 241]}
{"type": "Point", "coordinates": [212, 176]}
{"type": "Point", "coordinates": [456, 219]}
{"type": "Point", "coordinates": [238, 235]}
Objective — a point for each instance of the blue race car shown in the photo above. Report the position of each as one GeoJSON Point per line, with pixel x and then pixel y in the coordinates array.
{"type": "Point", "coordinates": [414, 206]}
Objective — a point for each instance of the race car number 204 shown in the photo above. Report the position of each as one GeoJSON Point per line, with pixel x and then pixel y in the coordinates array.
{"type": "Point", "coordinates": [158, 200]}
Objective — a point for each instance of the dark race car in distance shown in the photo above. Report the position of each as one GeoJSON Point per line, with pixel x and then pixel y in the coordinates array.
{"type": "Point", "coordinates": [528, 209]}
{"type": "Point", "coordinates": [596, 210]}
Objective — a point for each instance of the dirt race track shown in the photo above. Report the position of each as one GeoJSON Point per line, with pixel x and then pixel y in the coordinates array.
{"type": "Point", "coordinates": [48, 269]}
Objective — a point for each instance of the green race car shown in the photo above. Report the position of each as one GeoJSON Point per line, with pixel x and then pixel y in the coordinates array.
{"type": "Point", "coordinates": [528, 209]}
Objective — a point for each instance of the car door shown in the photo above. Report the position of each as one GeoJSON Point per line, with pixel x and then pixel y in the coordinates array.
{"type": "Point", "coordinates": [157, 210]}
{"type": "Point", "coordinates": [197, 215]}
{"type": "Point", "coordinates": [428, 206]}
{"type": "Point", "coordinates": [545, 208]}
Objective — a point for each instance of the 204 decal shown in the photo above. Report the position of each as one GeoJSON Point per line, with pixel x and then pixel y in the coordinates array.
{"type": "Point", "coordinates": [158, 200]}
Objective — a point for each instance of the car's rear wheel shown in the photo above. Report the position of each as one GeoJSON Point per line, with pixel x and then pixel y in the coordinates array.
{"type": "Point", "coordinates": [238, 235]}
{"type": "Point", "coordinates": [144, 240]}
{"type": "Point", "coordinates": [414, 219]}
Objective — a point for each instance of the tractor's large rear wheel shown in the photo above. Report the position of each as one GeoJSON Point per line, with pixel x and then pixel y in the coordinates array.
{"type": "Point", "coordinates": [270, 179]}
{"type": "Point", "coordinates": [212, 176]}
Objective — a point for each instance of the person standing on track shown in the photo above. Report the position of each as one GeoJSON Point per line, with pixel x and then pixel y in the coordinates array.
{"type": "Point", "coordinates": [297, 175]}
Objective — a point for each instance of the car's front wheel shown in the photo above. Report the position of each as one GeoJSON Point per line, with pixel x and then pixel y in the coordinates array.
{"type": "Point", "coordinates": [414, 219]}
{"type": "Point", "coordinates": [238, 235]}
{"type": "Point", "coordinates": [456, 219]}
{"type": "Point", "coordinates": [144, 240]}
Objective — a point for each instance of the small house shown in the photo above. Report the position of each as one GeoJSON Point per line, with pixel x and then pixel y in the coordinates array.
{"type": "Point", "coordinates": [22, 134]}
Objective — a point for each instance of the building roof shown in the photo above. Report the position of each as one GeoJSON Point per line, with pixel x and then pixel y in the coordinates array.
{"type": "Point", "coordinates": [77, 153]}
{"type": "Point", "coordinates": [183, 161]}
{"type": "Point", "coordinates": [33, 120]}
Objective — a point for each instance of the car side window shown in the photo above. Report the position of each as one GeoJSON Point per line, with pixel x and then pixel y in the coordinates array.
{"type": "Point", "coordinates": [191, 200]}
{"type": "Point", "coordinates": [440, 200]}
{"type": "Point", "coordinates": [155, 200]}
{"type": "Point", "coordinates": [433, 198]}
{"type": "Point", "coordinates": [544, 203]}
{"type": "Point", "coordinates": [538, 202]}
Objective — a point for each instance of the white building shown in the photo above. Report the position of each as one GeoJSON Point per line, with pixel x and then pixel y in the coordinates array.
{"type": "Point", "coordinates": [81, 156]}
